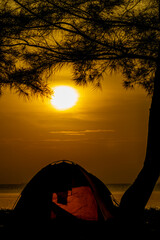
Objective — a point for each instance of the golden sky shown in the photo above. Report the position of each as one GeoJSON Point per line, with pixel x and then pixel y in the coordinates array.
{"type": "Point", "coordinates": [105, 132]}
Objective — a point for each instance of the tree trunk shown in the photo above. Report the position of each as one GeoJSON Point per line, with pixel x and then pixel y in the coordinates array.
{"type": "Point", "coordinates": [136, 197]}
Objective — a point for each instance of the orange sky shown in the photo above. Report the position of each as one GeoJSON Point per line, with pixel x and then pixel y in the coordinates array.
{"type": "Point", "coordinates": [105, 132]}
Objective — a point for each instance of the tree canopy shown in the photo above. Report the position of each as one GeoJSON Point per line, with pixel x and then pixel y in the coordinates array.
{"type": "Point", "coordinates": [93, 36]}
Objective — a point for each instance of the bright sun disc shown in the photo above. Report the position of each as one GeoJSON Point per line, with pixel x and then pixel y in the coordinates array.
{"type": "Point", "coordinates": [64, 97]}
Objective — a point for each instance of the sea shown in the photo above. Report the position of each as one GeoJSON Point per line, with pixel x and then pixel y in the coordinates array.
{"type": "Point", "coordinates": [10, 193]}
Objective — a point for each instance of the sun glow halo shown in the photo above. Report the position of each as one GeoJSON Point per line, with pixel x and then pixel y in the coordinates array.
{"type": "Point", "coordinates": [64, 97]}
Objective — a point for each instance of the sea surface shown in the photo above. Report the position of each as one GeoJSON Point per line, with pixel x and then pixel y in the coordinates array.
{"type": "Point", "coordinates": [10, 193]}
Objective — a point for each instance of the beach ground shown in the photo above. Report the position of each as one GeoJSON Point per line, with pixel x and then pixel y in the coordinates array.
{"type": "Point", "coordinates": [150, 227]}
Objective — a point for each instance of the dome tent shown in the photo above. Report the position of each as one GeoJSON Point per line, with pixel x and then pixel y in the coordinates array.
{"type": "Point", "coordinates": [63, 192]}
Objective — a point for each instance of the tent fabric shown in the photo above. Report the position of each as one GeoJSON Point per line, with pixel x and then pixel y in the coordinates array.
{"type": "Point", "coordinates": [80, 203]}
{"type": "Point", "coordinates": [64, 190]}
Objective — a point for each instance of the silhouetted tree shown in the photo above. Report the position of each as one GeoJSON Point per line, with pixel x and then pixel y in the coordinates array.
{"type": "Point", "coordinates": [13, 74]}
{"type": "Point", "coordinates": [93, 37]}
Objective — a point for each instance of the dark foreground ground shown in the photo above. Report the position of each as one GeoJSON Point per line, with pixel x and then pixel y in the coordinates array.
{"type": "Point", "coordinates": [149, 228]}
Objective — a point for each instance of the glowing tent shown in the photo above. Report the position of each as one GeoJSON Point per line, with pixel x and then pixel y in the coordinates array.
{"type": "Point", "coordinates": [64, 191]}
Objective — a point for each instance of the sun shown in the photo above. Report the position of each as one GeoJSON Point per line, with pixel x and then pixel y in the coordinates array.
{"type": "Point", "coordinates": [64, 97]}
